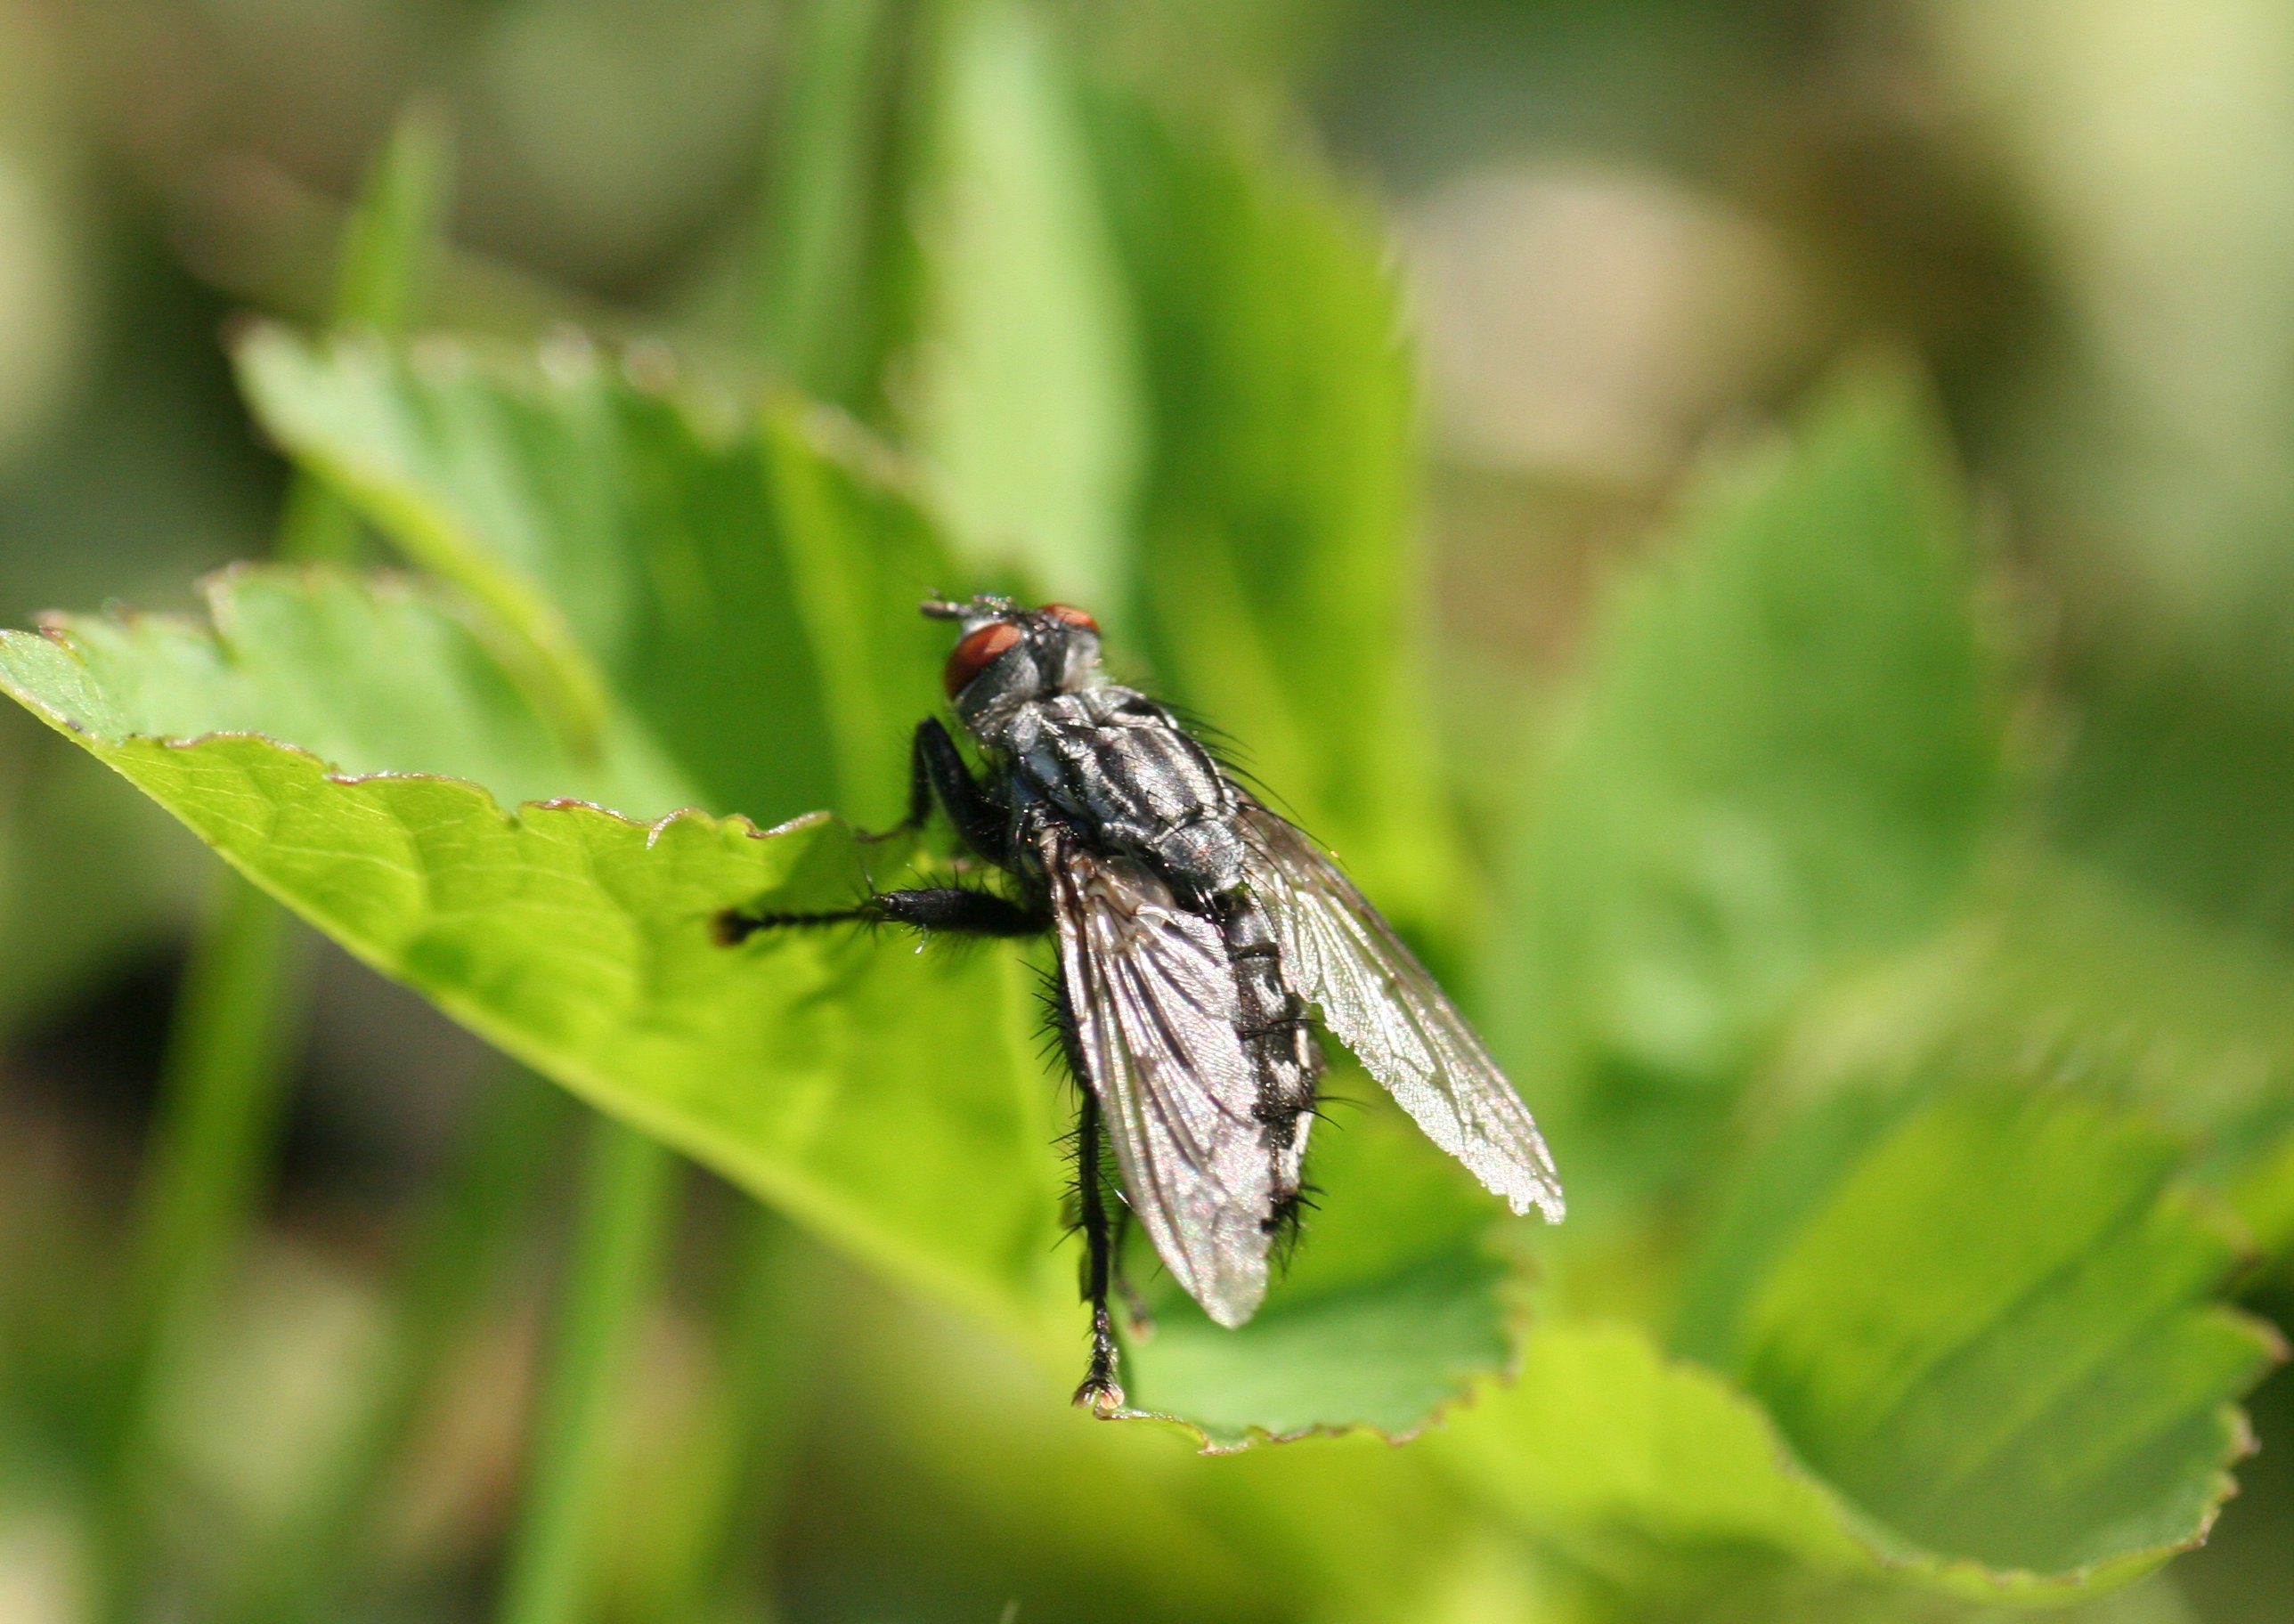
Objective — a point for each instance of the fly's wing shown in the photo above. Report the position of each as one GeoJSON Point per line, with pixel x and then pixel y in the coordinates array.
{"type": "Point", "coordinates": [1153, 997]}
{"type": "Point", "coordinates": [1379, 1000]}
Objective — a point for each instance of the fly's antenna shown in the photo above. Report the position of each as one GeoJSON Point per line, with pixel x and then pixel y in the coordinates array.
{"type": "Point", "coordinates": [985, 607]}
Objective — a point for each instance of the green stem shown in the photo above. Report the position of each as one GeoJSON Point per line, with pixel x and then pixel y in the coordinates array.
{"type": "Point", "coordinates": [222, 1095]}
{"type": "Point", "coordinates": [731, 1471]}
{"type": "Point", "coordinates": [818, 206]}
{"type": "Point", "coordinates": [382, 272]}
{"type": "Point", "coordinates": [458, 1252]}
{"type": "Point", "coordinates": [392, 238]}
{"type": "Point", "coordinates": [626, 1208]}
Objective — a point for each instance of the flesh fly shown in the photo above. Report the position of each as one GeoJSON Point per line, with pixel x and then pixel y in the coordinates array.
{"type": "Point", "coordinates": [1202, 937]}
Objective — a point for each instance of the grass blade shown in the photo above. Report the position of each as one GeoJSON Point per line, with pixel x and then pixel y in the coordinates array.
{"type": "Point", "coordinates": [626, 1206]}
{"type": "Point", "coordinates": [458, 1252]}
{"type": "Point", "coordinates": [220, 1116]}
{"type": "Point", "coordinates": [386, 254]}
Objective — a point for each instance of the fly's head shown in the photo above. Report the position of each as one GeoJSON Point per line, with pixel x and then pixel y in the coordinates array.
{"type": "Point", "coordinates": [1010, 657]}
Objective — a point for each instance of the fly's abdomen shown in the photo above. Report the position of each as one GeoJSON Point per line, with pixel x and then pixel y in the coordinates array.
{"type": "Point", "coordinates": [1277, 1038]}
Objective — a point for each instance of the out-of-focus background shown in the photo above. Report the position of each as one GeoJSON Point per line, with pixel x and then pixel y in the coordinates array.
{"type": "Point", "coordinates": [1631, 232]}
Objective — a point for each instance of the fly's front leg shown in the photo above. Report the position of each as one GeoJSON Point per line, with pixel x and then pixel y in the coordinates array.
{"type": "Point", "coordinates": [937, 772]}
{"type": "Point", "coordinates": [1099, 1393]}
{"type": "Point", "coordinates": [940, 907]}
{"type": "Point", "coordinates": [957, 909]}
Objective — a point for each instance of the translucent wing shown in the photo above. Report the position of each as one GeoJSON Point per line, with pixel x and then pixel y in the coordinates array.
{"type": "Point", "coordinates": [1379, 1000]}
{"type": "Point", "coordinates": [1153, 1000]}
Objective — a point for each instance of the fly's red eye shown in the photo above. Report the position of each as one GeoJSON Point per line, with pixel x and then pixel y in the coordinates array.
{"type": "Point", "coordinates": [1073, 616]}
{"type": "Point", "coordinates": [976, 653]}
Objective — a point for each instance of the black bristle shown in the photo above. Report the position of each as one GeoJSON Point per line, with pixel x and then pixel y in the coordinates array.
{"type": "Point", "coordinates": [1287, 1226]}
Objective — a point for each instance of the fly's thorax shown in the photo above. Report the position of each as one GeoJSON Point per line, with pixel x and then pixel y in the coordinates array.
{"type": "Point", "coordinates": [1122, 772]}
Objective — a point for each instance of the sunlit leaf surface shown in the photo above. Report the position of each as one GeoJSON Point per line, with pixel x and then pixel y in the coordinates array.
{"type": "Point", "coordinates": [897, 1101]}
{"type": "Point", "coordinates": [807, 1066]}
{"type": "Point", "coordinates": [736, 587]}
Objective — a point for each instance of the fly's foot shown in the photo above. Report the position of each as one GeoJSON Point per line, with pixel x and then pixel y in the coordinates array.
{"type": "Point", "coordinates": [1101, 1393]}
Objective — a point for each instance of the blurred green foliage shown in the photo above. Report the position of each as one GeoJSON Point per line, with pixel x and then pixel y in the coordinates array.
{"type": "Point", "coordinates": [1786, 766]}
{"type": "Point", "coordinates": [1882, 904]}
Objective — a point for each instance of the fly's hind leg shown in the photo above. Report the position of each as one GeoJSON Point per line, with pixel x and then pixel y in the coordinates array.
{"type": "Point", "coordinates": [1099, 1392]}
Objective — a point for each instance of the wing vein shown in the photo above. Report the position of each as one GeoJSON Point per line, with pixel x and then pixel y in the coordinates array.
{"type": "Point", "coordinates": [1153, 999]}
{"type": "Point", "coordinates": [1372, 992]}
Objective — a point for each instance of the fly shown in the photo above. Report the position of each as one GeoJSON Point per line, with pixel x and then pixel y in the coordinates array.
{"type": "Point", "coordinates": [1201, 938]}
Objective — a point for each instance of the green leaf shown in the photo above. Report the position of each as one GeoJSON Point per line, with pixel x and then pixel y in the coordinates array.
{"type": "Point", "coordinates": [1786, 763]}
{"type": "Point", "coordinates": [1654, 1476]}
{"type": "Point", "coordinates": [809, 1067]}
{"type": "Point", "coordinates": [2065, 970]}
{"type": "Point", "coordinates": [1027, 398]}
{"type": "Point", "coordinates": [1988, 1319]}
{"type": "Point", "coordinates": [2263, 1197]}
{"type": "Point", "coordinates": [2193, 1022]}
{"type": "Point", "coordinates": [391, 236]}
{"type": "Point", "coordinates": [1665, 1485]}
{"type": "Point", "coordinates": [1279, 590]}
{"type": "Point", "coordinates": [381, 276]}
{"type": "Point", "coordinates": [2178, 776]}
{"type": "Point", "coordinates": [380, 677]}
{"type": "Point", "coordinates": [578, 939]}
{"type": "Point", "coordinates": [1643, 1469]}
